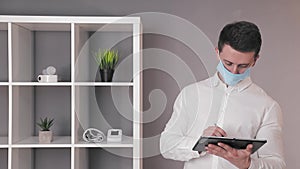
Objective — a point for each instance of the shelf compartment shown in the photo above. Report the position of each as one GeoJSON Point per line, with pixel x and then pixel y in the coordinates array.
{"type": "Point", "coordinates": [3, 158]}
{"type": "Point", "coordinates": [30, 103]}
{"type": "Point", "coordinates": [103, 108]}
{"type": "Point", "coordinates": [95, 158]}
{"type": "Point", "coordinates": [90, 37]}
{"type": "Point", "coordinates": [41, 158]}
{"type": "Point", "coordinates": [3, 52]}
{"type": "Point", "coordinates": [4, 115]}
{"type": "Point", "coordinates": [37, 46]}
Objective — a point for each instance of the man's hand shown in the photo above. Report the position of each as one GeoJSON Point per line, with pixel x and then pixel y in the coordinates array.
{"type": "Point", "coordinates": [239, 158]}
{"type": "Point", "coordinates": [214, 131]}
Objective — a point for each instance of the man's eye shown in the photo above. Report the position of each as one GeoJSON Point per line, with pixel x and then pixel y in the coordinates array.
{"type": "Point", "coordinates": [228, 64]}
{"type": "Point", "coordinates": [243, 66]}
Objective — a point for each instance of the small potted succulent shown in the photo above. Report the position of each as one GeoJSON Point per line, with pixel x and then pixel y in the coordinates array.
{"type": "Point", "coordinates": [106, 60]}
{"type": "Point", "coordinates": [45, 134]}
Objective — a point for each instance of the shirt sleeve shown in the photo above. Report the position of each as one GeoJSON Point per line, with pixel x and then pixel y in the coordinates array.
{"type": "Point", "coordinates": [174, 143]}
{"type": "Point", "coordinates": [270, 156]}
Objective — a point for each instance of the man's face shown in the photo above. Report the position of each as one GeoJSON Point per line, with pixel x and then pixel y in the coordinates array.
{"type": "Point", "coordinates": [234, 61]}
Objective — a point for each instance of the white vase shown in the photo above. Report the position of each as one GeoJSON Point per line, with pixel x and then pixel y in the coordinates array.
{"type": "Point", "coordinates": [45, 136]}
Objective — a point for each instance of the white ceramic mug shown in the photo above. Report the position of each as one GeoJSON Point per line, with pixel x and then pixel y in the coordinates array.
{"type": "Point", "coordinates": [47, 78]}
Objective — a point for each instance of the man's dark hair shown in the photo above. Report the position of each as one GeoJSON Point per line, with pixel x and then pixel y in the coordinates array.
{"type": "Point", "coordinates": [242, 36]}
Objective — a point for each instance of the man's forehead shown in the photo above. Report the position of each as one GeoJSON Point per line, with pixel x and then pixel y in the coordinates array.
{"type": "Point", "coordinates": [237, 57]}
{"type": "Point", "coordinates": [237, 62]}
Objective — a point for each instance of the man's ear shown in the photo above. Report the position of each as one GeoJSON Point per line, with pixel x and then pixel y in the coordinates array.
{"type": "Point", "coordinates": [255, 59]}
{"type": "Point", "coordinates": [217, 52]}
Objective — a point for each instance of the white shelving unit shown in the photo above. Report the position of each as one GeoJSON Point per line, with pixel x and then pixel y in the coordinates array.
{"type": "Point", "coordinates": [79, 100]}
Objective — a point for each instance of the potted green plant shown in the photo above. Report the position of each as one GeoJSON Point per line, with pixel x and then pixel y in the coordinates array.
{"type": "Point", "coordinates": [106, 60]}
{"type": "Point", "coordinates": [45, 134]}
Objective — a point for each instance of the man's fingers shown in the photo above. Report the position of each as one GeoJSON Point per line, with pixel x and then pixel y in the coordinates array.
{"type": "Point", "coordinates": [221, 131]}
{"type": "Point", "coordinates": [225, 147]}
{"type": "Point", "coordinates": [218, 134]}
{"type": "Point", "coordinates": [214, 131]}
{"type": "Point", "coordinates": [228, 148]}
{"type": "Point", "coordinates": [249, 148]}
{"type": "Point", "coordinates": [214, 149]}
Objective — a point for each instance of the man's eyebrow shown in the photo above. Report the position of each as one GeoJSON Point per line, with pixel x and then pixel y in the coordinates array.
{"type": "Point", "coordinates": [227, 61]}
{"type": "Point", "coordinates": [246, 64]}
{"type": "Point", "coordinates": [233, 63]}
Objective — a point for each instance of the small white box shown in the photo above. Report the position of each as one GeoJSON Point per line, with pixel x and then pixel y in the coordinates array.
{"type": "Point", "coordinates": [114, 135]}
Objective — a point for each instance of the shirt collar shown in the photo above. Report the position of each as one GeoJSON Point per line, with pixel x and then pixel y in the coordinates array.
{"type": "Point", "coordinates": [239, 87]}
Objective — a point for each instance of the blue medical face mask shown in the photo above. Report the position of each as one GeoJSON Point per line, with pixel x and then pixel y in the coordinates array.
{"type": "Point", "coordinates": [230, 78]}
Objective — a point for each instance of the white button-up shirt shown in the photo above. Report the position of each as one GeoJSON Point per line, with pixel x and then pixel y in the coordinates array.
{"type": "Point", "coordinates": [243, 111]}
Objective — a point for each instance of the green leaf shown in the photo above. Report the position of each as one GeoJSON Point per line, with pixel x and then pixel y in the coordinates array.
{"type": "Point", "coordinates": [106, 59]}
{"type": "Point", "coordinates": [45, 124]}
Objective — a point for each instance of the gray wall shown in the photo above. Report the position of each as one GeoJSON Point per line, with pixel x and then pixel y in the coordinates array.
{"type": "Point", "coordinates": [276, 71]}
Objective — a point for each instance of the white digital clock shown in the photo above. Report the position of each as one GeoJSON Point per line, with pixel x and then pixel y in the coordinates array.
{"type": "Point", "coordinates": [114, 135]}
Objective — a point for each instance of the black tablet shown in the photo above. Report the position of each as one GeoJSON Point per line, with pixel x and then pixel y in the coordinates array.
{"type": "Point", "coordinates": [233, 142]}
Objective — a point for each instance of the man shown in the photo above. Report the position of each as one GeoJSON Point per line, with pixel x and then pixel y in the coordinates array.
{"type": "Point", "coordinates": [240, 107]}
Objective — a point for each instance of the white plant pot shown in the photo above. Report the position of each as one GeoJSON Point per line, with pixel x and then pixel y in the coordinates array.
{"type": "Point", "coordinates": [45, 136]}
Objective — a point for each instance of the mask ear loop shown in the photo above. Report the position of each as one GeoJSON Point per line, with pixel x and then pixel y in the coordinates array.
{"type": "Point", "coordinates": [93, 135]}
